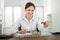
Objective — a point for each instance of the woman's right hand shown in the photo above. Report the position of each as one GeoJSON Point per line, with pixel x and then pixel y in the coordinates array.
{"type": "Point", "coordinates": [23, 31]}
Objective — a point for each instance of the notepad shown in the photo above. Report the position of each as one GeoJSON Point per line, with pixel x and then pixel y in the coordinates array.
{"type": "Point", "coordinates": [22, 35]}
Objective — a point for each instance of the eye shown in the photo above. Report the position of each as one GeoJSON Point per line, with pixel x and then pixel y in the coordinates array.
{"type": "Point", "coordinates": [32, 10]}
{"type": "Point", "coordinates": [28, 9]}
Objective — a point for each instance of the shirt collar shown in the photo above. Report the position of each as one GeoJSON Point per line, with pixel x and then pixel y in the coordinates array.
{"type": "Point", "coordinates": [27, 20]}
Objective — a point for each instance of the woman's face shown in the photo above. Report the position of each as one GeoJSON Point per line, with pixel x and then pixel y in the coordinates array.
{"type": "Point", "coordinates": [29, 12]}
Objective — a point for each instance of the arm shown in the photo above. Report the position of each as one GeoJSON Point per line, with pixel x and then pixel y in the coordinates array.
{"type": "Point", "coordinates": [23, 31]}
{"type": "Point", "coordinates": [41, 28]}
{"type": "Point", "coordinates": [15, 27]}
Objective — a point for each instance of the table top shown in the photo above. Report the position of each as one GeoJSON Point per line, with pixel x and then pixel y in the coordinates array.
{"type": "Point", "coordinates": [52, 37]}
{"type": "Point", "coordinates": [36, 36]}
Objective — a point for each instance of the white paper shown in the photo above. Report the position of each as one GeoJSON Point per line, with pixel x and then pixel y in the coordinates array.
{"type": "Point", "coordinates": [22, 35]}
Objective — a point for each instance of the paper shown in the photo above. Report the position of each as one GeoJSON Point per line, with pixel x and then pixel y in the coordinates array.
{"type": "Point", "coordinates": [22, 35]}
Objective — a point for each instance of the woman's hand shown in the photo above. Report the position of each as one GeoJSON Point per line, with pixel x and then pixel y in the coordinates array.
{"type": "Point", "coordinates": [45, 24]}
{"type": "Point", "coordinates": [23, 31]}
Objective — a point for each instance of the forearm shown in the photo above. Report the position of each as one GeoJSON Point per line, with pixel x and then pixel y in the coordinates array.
{"type": "Point", "coordinates": [18, 32]}
{"type": "Point", "coordinates": [21, 31]}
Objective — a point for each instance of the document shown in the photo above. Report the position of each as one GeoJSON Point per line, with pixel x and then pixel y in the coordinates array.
{"type": "Point", "coordinates": [22, 35]}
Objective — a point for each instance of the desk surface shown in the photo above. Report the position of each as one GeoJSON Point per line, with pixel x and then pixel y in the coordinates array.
{"type": "Point", "coordinates": [52, 37]}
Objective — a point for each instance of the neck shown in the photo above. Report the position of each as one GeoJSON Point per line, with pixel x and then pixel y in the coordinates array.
{"type": "Point", "coordinates": [28, 18]}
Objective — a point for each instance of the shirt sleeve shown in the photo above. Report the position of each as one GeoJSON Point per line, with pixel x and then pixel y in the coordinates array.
{"type": "Point", "coordinates": [41, 28]}
{"type": "Point", "coordinates": [15, 27]}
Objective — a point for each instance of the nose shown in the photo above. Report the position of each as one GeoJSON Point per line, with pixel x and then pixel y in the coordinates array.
{"type": "Point", "coordinates": [30, 12]}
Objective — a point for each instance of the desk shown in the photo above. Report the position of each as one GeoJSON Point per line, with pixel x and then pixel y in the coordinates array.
{"type": "Point", "coordinates": [52, 37]}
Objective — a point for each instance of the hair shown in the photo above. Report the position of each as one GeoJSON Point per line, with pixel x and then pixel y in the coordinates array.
{"type": "Point", "coordinates": [29, 4]}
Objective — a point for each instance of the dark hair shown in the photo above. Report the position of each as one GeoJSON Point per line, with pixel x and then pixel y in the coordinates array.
{"type": "Point", "coordinates": [29, 4]}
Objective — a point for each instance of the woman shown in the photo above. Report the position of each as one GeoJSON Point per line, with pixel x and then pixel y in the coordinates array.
{"type": "Point", "coordinates": [28, 23]}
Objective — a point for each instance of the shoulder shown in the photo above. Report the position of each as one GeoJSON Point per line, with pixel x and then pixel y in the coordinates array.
{"type": "Point", "coordinates": [18, 20]}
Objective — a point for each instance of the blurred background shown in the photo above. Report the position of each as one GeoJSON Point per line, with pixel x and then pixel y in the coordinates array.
{"type": "Point", "coordinates": [11, 10]}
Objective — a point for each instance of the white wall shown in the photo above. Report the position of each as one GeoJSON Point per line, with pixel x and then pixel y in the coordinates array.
{"type": "Point", "coordinates": [55, 16]}
{"type": "Point", "coordinates": [22, 2]}
{"type": "Point", "coordinates": [52, 12]}
{"type": "Point", "coordinates": [0, 3]}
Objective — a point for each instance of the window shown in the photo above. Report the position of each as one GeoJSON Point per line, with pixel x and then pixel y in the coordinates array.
{"type": "Point", "coordinates": [17, 13]}
{"type": "Point", "coordinates": [11, 15]}
{"type": "Point", "coordinates": [8, 16]}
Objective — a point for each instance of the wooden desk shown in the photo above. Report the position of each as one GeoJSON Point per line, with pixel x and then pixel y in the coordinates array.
{"type": "Point", "coordinates": [53, 37]}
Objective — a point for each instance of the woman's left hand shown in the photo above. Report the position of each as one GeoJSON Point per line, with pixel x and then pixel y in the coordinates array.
{"type": "Point", "coordinates": [45, 24]}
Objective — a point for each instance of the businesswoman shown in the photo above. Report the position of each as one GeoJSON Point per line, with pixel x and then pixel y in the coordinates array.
{"type": "Point", "coordinates": [28, 23]}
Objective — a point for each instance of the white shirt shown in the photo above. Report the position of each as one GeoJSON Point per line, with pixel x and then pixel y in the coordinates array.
{"type": "Point", "coordinates": [29, 26]}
